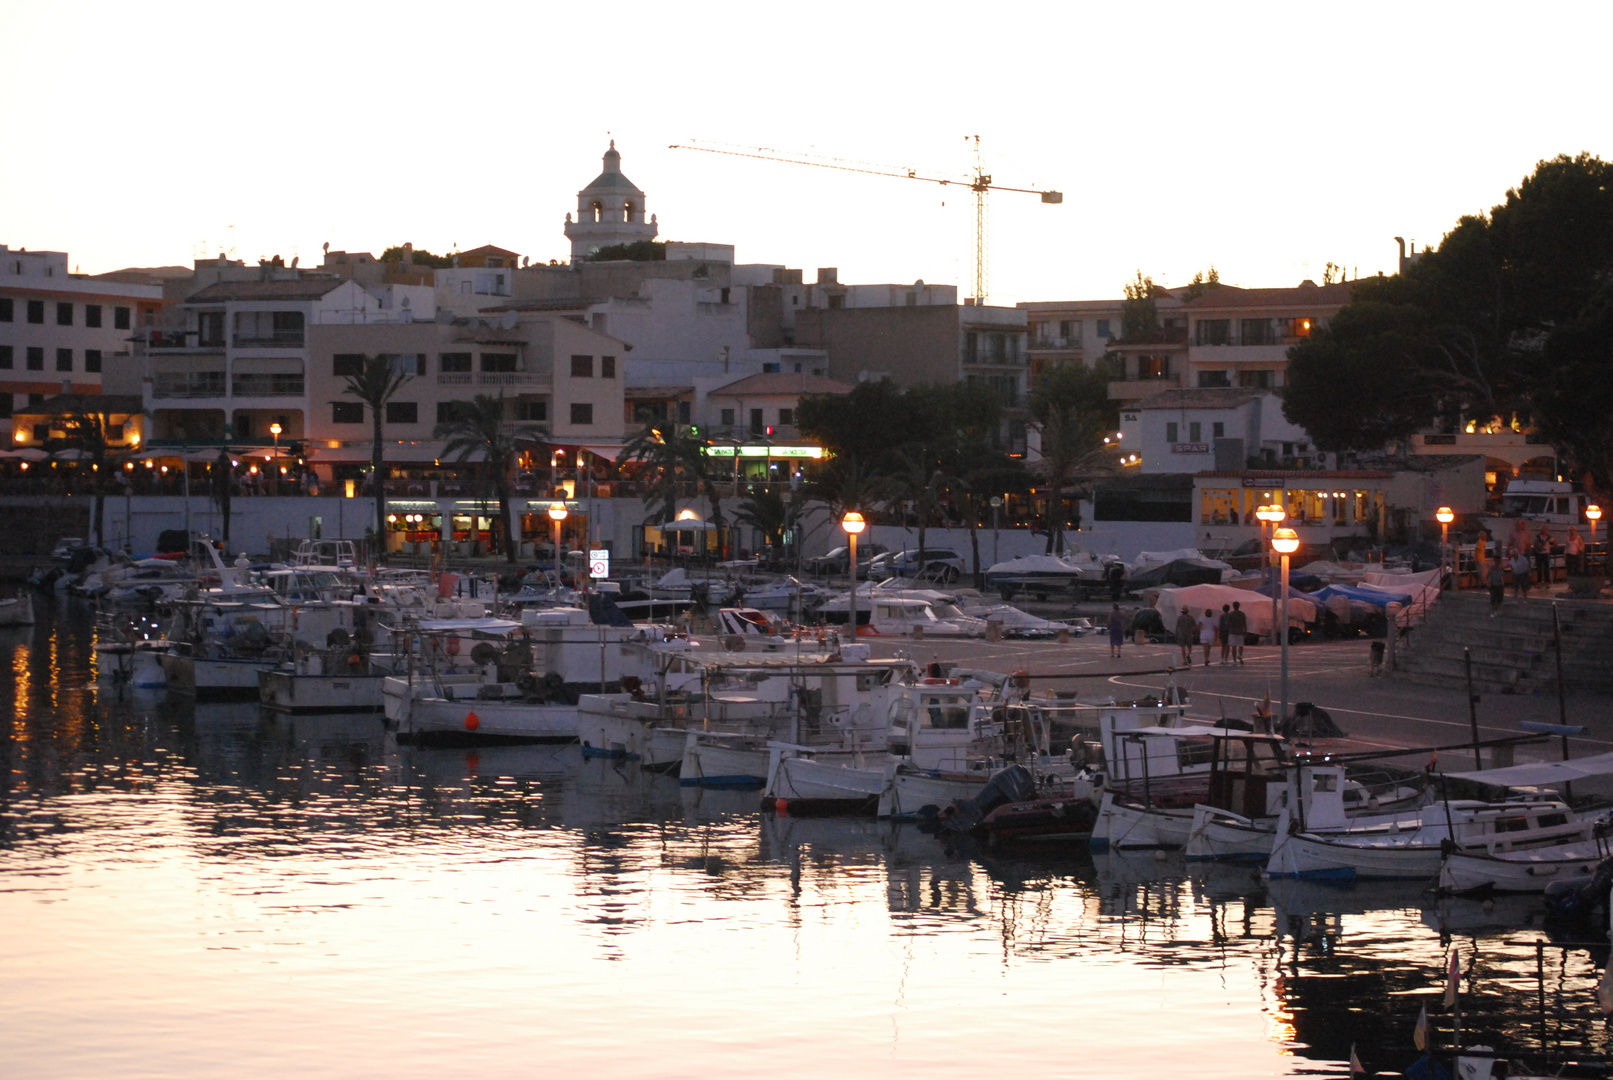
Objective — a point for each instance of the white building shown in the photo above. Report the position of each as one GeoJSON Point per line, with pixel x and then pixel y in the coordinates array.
{"type": "Point", "coordinates": [610, 211]}
{"type": "Point", "coordinates": [1189, 431]}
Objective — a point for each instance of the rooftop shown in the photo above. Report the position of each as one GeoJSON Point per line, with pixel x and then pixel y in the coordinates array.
{"type": "Point", "coordinates": [1305, 293]}
{"type": "Point", "coordinates": [1201, 398]}
{"type": "Point", "coordinates": [780, 384]}
{"type": "Point", "coordinates": [304, 288]}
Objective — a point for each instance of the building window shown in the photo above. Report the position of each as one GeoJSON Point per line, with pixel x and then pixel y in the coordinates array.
{"type": "Point", "coordinates": [402, 412]}
{"type": "Point", "coordinates": [7, 309]}
{"type": "Point", "coordinates": [582, 413]}
{"type": "Point", "coordinates": [64, 313]}
{"type": "Point", "coordinates": [1218, 429]}
{"type": "Point", "coordinates": [5, 406]}
{"type": "Point", "coordinates": [1070, 331]}
{"type": "Point", "coordinates": [607, 367]}
{"type": "Point", "coordinates": [683, 412]}
{"type": "Point", "coordinates": [41, 432]}
{"type": "Point", "coordinates": [347, 365]}
{"type": "Point", "coordinates": [210, 328]}
{"type": "Point", "coordinates": [770, 369]}
{"type": "Point", "coordinates": [36, 311]}
{"type": "Point", "coordinates": [1172, 431]}
{"type": "Point", "coordinates": [7, 358]}
{"type": "Point", "coordinates": [1153, 367]}
{"type": "Point", "coordinates": [786, 417]}
{"type": "Point", "coordinates": [407, 363]}
{"type": "Point", "coordinates": [1103, 329]}
{"type": "Point", "coordinates": [756, 422]}
{"type": "Point", "coordinates": [582, 367]}
{"type": "Point", "coordinates": [347, 412]}
{"type": "Point", "coordinates": [971, 348]}
{"type": "Point", "coordinates": [92, 316]}
{"type": "Point", "coordinates": [532, 412]}
{"type": "Point", "coordinates": [1258, 332]}
{"type": "Point", "coordinates": [1195, 432]}
{"type": "Point", "coordinates": [36, 358]}
{"type": "Point", "coordinates": [836, 303]}
{"type": "Point", "coordinates": [1259, 380]}
{"type": "Point", "coordinates": [92, 360]}
{"type": "Point", "coordinates": [449, 412]}
{"type": "Point", "coordinates": [64, 359]}
{"type": "Point", "coordinates": [120, 318]}
{"type": "Point", "coordinates": [1214, 332]}
{"type": "Point", "coordinates": [454, 363]}
{"type": "Point", "coordinates": [1213, 379]}
{"type": "Point", "coordinates": [498, 362]}
{"type": "Point", "coordinates": [727, 414]}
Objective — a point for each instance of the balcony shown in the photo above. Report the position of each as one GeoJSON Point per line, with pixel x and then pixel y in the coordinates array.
{"type": "Point", "coordinates": [267, 386]}
{"type": "Point", "coordinates": [284, 340]}
{"type": "Point", "coordinates": [455, 378]}
{"type": "Point", "coordinates": [200, 384]}
{"type": "Point", "coordinates": [510, 378]}
{"type": "Point", "coordinates": [1137, 389]}
{"type": "Point", "coordinates": [170, 341]}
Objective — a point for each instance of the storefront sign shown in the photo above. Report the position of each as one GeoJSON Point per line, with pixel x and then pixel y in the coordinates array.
{"type": "Point", "coordinates": [1190, 448]}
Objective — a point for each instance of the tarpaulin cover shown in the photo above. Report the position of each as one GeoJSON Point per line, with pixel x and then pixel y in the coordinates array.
{"type": "Point", "coordinates": [1196, 598]}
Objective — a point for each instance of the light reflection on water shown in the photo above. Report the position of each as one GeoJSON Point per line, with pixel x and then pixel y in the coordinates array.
{"type": "Point", "coordinates": [213, 891]}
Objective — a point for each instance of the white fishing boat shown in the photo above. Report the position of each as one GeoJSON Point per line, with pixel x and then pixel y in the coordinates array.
{"type": "Point", "coordinates": [1531, 870]}
{"type": "Point", "coordinates": [135, 664]}
{"type": "Point", "coordinates": [17, 611]}
{"type": "Point", "coordinates": [1412, 847]}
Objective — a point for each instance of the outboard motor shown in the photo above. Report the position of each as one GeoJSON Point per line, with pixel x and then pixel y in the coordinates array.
{"type": "Point", "coordinates": [1013, 784]}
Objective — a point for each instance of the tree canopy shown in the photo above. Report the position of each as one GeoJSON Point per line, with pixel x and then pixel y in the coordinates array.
{"type": "Point", "coordinates": [1503, 318]}
{"type": "Point", "coordinates": [418, 256]}
{"type": "Point", "coordinates": [637, 251]}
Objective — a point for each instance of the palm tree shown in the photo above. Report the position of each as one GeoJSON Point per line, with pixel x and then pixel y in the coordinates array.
{"type": "Point", "coordinates": [477, 427]}
{"type": "Point", "coordinates": [1072, 410]}
{"type": "Point", "coordinates": [767, 513]}
{"type": "Point", "coordinates": [917, 483]}
{"type": "Point", "coordinates": [374, 385]}
{"type": "Point", "coordinates": [672, 460]}
{"type": "Point", "coordinates": [85, 431]}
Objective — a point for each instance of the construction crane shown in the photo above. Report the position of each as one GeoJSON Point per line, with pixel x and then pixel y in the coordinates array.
{"type": "Point", "coordinates": [979, 183]}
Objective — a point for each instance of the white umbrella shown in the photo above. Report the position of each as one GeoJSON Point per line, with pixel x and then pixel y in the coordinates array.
{"type": "Point", "coordinates": [687, 525]}
{"type": "Point", "coordinates": [26, 453]}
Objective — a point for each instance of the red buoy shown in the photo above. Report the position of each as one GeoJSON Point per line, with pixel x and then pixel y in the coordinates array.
{"type": "Point", "coordinates": [472, 722]}
{"type": "Point", "coordinates": [782, 806]}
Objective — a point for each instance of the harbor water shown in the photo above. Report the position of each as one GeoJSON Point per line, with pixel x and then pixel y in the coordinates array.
{"type": "Point", "coordinates": [215, 891]}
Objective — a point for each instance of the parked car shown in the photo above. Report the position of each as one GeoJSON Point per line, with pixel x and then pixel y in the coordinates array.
{"type": "Point", "coordinates": [834, 560]}
{"type": "Point", "coordinates": [941, 564]}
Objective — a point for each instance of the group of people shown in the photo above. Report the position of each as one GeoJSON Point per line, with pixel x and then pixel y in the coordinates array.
{"type": "Point", "coordinates": [1529, 560]}
{"type": "Point", "coordinates": [1230, 628]}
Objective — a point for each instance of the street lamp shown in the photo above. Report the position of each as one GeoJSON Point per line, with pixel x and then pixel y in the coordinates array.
{"type": "Point", "coordinates": [1593, 514]}
{"type": "Point", "coordinates": [557, 514]}
{"type": "Point", "coordinates": [1285, 542]}
{"type": "Point", "coordinates": [1444, 515]}
{"type": "Point", "coordinates": [1271, 514]}
{"type": "Point", "coordinates": [853, 523]}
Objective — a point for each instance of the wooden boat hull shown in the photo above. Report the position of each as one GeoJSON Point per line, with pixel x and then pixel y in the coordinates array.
{"type": "Point", "coordinates": [290, 692]}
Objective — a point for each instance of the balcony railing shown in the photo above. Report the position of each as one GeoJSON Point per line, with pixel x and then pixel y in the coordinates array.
{"type": "Point", "coordinates": [268, 386]}
{"type": "Point", "coordinates": [206, 384]}
{"type": "Point", "coordinates": [508, 378]}
{"type": "Point", "coordinates": [455, 378]}
{"type": "Point", "coordinates": [269, 341]}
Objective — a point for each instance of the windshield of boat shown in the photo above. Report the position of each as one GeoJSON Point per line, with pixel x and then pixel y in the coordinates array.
{"type": "Point", "coordinates": [947, 713]}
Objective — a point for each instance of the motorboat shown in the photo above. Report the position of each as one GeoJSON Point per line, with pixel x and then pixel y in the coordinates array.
{"type": "Point", "coordinates": [1043, 575]}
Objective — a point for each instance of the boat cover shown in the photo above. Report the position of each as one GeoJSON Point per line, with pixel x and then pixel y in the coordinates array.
{"type": "Point", "coordinates": [1542, 773]}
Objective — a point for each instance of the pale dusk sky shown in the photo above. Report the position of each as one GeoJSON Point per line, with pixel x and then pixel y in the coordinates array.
{"type": "Point", "coordinates": [1267, 139]}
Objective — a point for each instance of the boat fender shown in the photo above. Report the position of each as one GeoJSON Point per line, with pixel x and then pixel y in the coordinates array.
{"type": "Point", "coordinates": [472, 721]}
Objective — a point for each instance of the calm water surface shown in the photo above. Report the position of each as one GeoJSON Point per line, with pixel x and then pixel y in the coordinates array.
{"type": "Point", "coordinates": [207, 891]}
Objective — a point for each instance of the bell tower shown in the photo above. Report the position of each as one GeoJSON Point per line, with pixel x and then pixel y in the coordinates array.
{"type": "Point", "coordinates": [609, 211]}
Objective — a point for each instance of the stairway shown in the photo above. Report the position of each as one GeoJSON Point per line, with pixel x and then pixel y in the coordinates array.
{"type": "Point", "coordinates": [1513, 653]}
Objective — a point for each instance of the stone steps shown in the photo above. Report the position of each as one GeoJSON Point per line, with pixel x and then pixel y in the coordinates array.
{"type": "Point", "coordinates": [1515, 652]}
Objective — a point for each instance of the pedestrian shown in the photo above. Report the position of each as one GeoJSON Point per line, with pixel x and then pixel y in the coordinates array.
{"type": "Point", "coordinates": [1187, 632]}
{"type": "Point", "coordinates": [1221, 633]}
{"type": "Point", "coordinates": [1496, 579]}
{"type": "Point", "coordinates": [1117, 631]}
{"type": "Point", "coordinates": [1237, 630]}
{"type": "Point", "coordinates": [1543, 556]}
{"type": "Point", "coordinates": [1521, 571]}
{"type": "Point", "coordinates": [1575, 551]}
{"type": "Point", "coordinates": [1207, 633]}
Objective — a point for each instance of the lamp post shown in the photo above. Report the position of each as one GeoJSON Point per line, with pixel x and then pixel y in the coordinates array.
{"type": "Point", "coordinates": [1271, 514]}
{"type": "Point", "coordinates": [1593, 514]}
{"type": "Point", "coordinates": [1444, 515]}
{"type": "Point", "coordinates": [853, 524]}
{"type": "Point", "coordinates": [1285, 542]}
{"type": "Point", "coordinates": [557, 514]}
{"type": "Point", "coordinates": [996, 505]}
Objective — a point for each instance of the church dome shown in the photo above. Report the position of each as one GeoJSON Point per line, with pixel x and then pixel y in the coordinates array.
{"type": "Point", "coordinates": [612, 179]}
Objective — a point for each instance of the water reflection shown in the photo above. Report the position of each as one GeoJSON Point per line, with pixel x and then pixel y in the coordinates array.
{"type": "Point", "coordinates": [183, 862]}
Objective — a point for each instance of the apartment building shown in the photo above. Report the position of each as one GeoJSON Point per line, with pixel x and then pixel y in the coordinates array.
{"type": "Point", "coordinates": [65, 333]}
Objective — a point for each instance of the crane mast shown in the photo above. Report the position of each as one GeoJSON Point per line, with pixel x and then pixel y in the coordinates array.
{"type": "Point", "coordinates": [979, 183]}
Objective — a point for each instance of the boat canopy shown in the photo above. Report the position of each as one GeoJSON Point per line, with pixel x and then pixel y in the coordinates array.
{"type": "Point", "coordinates": [1542, 773]}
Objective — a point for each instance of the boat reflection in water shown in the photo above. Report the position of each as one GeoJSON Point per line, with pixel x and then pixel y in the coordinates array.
{"type": "Point", "coordinates": [213, 887]}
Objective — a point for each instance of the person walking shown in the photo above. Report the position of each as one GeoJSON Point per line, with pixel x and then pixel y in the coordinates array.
{"type": "Point", "coordinates": [1187, 632]}
{"type": "Point", "coordinates": [1221, 632]}
{"type": "Point", "coordinates": [1543, 556]}
{"type": "Point", "coordinates": [1207, 633]}
{"type": "Point", "coordinates": [1117, 631]}
{"type": "Point", "coordinates": [1521, 571]}
{"type": "Point", "coordinates": [1575, 550]}
{"type": "Point", "coordinates": [1496, 579]}
{"type": "Point", "coordinates": [1237, 630]}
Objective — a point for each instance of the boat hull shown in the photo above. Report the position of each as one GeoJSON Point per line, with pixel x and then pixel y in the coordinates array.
{"type": "Point", "coordinates": [209, 680]}
{"type": "Point", "coordinates": [290, 692]}
{"type": "Point", "coordinates": [811, 785]}
{"type": "Point", "coordinates": [723, 764]}
{"type": "Point", "coordinates": [1519, 872]}
{"type": "Point", "coordinates": [1130, 827]}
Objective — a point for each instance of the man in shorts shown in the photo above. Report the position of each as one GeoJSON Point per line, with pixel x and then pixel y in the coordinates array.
{"type": "Point", "coordinates": [1237, 629]}
{"type": "Point", "coordinates": [1221, 632]}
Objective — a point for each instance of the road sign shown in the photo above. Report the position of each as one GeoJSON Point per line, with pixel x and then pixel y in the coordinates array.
{"type": "Point", "coordinates": [599, 564]}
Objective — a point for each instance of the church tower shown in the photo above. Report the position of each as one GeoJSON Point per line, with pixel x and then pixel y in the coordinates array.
{"type": "Point", "coordinates": [609, 211]}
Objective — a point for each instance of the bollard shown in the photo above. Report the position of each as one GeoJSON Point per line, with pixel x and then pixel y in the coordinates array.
{"type": "Point", "coordinates": [994, 629]}
{"type": "Point", "coordinates": [1064, 636]}
{"type": "Point", "coordinates": [918, 632]}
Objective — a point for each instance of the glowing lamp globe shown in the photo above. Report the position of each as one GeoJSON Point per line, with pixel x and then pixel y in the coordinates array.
{"type": "Point", "coordinates": [1285, 541]}
{"type": "Point", "coordinates": [1593, 512]}
{"type": "Point", "coordinates": [853, 522]}
{"type": "Point", "coordinates": [1272, 513]}
{"type": "Point", "coordinates": [557, 511]}
{"type": "Point", "coordinates": [1444, 515]}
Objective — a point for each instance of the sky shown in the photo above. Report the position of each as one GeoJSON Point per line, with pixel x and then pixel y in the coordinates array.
{"type": "Point", "coordinates": [1263, 139]}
